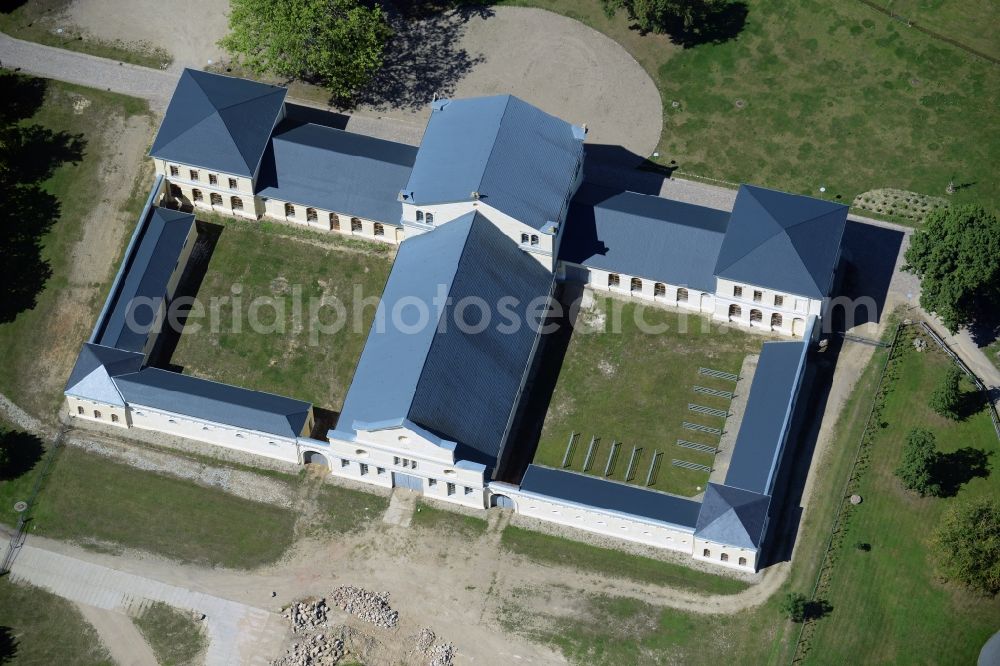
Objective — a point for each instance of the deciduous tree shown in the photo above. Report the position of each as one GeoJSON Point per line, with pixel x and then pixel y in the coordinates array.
{"type": "Point", "coordinates": [795, 606]}
{"type": "Point", "coordinates": [956, 255]}
{"type": "Point", "coordinates": [916, 469]}
{"type": "Point", "coordinates": [334, 43]}
{"type": "Point", "coordinates": [967, 545]}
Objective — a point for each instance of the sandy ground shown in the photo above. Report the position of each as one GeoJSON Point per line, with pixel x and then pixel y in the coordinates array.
{"type": "Point", "coordinates": [187, 29]}
{"type": "Point", "coordinates": [120, 636]}
{"type": "Point", "coordinates": [556, 63]}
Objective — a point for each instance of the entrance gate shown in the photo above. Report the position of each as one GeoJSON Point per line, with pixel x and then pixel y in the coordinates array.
{"type": "Point", "coordinates": [400, 480]}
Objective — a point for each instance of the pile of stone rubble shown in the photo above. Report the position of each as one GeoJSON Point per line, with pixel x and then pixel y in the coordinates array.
{"type": "Point", "coordinates": [314, 650]}
{"type": "Point", "coordinates": [365, 605]}
{"type": "Point", "coordinates": [307, 615]}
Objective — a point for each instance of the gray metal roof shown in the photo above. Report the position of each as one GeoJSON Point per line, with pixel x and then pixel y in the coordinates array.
{"type": "Point", "coordinates": [733, 516]}
{"type": "Point", "coordinates": [761, 438]}
{"type": "Point", "coordinates": [644, 236]}
{"type": "Point", "coordinates": [782, 241]}
{"type": "Point", "coordinates": [147, 271]}
{"type": "Point", "coordinates": [218, 122]}
{"type": "Point", "coordinates": [328, 168]}
{"type": "Point", "coordinates": [214, 402]}
{"type": "Point", "coordinates": [520, 160]}
{"type": "Point", "coordinates": [95, 366]}
{"type": "Point", "coordinates": [459, 384]}
{"type": "Point", "coordinates": [610, 495]}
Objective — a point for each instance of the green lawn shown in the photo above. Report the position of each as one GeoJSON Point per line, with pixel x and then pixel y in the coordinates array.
{"type": "Point", "coordinates": [548, 549]}
{"type": "Point", "coordinates": [37, 21]}
{"type": "Point", "coordinates": [464, 525]}
{"type": "Point", "coordinates": [635, 387]}
{"type": "Point", "coordinates": [965, 21]}
{"type": "Point", "coordinates": [888, 604]}
{"type": "Point", "coordinates": [342, 510]}
{"type": "Point", "coordinates": [37, 627]}
{"type": "Point", "coordinates": [288, 356]}
{"type": "Point", "coordinates": [833, 94]}
{"type": "Point", "coordinates": [174, 636]}
{"type": "Point", "coordinates": [46, 339]}
{"type": "Point", "coordinates": [89, 497]}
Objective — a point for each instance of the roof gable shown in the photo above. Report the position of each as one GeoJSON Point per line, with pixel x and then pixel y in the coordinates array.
{"type": "Point", "coordinates": [218, 122]}
{"type": "Point", "coordinates": [520, 160]}
{"type": "Point", "coordinates": [782, 241]}
{"type": "Point", "coordinates": [732, 516]}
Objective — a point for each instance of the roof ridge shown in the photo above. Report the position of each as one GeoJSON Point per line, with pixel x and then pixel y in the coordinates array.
{"type": "Point", "coordinates": [493, 144]}
{"type": "Point", "coordinates": [423, 363]}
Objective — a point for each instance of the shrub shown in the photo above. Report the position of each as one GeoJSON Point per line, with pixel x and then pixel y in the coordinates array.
{"type": "Point", "coordinates": [946, 399]}
{"type": "Point", "coordinates": [916, 469]}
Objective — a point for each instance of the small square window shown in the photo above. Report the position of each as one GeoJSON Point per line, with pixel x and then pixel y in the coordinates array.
{"type": "Point", "coordinates": [193, 173]}
{"type": "Point", "coordinates": [174, 171]}
{"type": "Point", "coordinates": [213, 179]}
{"type": "Point", "coordinates": [395, 460]}
{"type": "Point", "coordinates": [468, 490]}
{"type": "Point", "coordinates": [757, 296]}
{"type": "Point", "coordinates": [779, 301]}
{"type": "Point", "coordinates": [413, 464]}
{"type": "Point", "coordinates": [344, 462]}
{"type": "Point", "coordinates": [451, 488]}
{"type": "Point", "coordinates": [364, 469]}
{"type": "Point", "coordinates": [432, 482]}
{"type": "Point", "coordinates": [380, 470]}
{"type": "Point", "coordinates": [232, 183]}
{"type": "Point", "coordinates": [738, 292]}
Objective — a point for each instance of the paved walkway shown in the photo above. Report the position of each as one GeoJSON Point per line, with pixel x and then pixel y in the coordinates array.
{"type": "Point", "coordinates": [238, 633]}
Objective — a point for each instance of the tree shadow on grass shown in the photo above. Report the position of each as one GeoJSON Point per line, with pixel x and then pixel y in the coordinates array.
{"type": "Point", "coordinates": [423, 57]}
{"type": "Point", "coordinates": [817, 609]}
{"type": "Point", "coordinates": [715, 26]}
{"type": "Point", "coordinates": [8, 645]}
{"type": "Point", "coordinates": [953, 470]}
{"type": "Point", "coordinates": [22, 96]}
{"type": "Point", "coordinates": [23, 451]}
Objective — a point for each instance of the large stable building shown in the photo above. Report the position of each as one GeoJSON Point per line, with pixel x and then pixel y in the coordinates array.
{"type": "Point", "coordinates": [489, 208]}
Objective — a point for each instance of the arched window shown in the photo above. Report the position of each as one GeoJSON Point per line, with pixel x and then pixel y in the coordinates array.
{"type": "Point", "coordinates": [355, 224]}
{"type": "Point", "coordinates": [379, 229]}
{"type": "Point", "coordinates": [429, 218]}
{"type": "Point", "coordinates": [706, 553]}
{"type": "Point", "coordinates": [524, 239]}
{"type": "Point", "coordinates": [114, 418]}
{"type": "Point", "coordinates": [196, 195]}
{"type": "Point", "coordinates": [775, 320]}
{"type": "Point", "coordinates": [215, 198]}
{"type": "Point", "coordinates": [682, 295]}
{"type": "Point", "coordinates": [724, 557]}
{"type": "Point", "coordinates": [79, 410]}
{"type": "Point", "coordinates": [420, 216]}
{"type": "Point", "coordinates": [236, 203]}
{"type": "Point", "coordinates": [743, 561]}
{"type": "Point", "coordinates": [636, 284]}
{"type": "Point", "coordinates": [534, 239]}
{"type": "Point", "coordinates": [756, 316]}
{"type": "Point", "coordinates": [613, 279]}
{"type": "Point", "coordinates": [289, 210]}
{"type": "Point", "coordinates": [311, 215]}
{"type": "Point", "coordinates": [334, 222]}
{"type": "Point", "coordinates": [659, 289]}
{"type": "Point", "coordinates": [97, 414]}
{"type": "Point", "coordinates": [735, 312]}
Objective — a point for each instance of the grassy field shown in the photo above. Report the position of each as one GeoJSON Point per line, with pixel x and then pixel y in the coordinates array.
{"type": "Point", "coordinates": [888, 604]}
{"type": "Point", "coordinates": [25, 376]}
{"type": "Point", "coordinates": [342, 510]}
{"type": "Point", "coordinates": [547, 549]}
{"type": "Point", "coordinates": [272, 262]}
{"type": "Point", "coordinates": [174, 636]}
{"type": "Point", "coordinates": [833, 94]}
{"type": "Point", "coordinates": [90, 498]}
{"type": "Point", "coordinates": [635, 387]}
{"type": "Point", "coordinates": [38, 21]}
{"type": "Point", "coordinates": [44, 629]}
{"type": "Point", "coordinates": [964, 21]}
{"type": "Point", "coordinates": [614, 631]}
{"type": "Point", "coordinates": [433, 518]}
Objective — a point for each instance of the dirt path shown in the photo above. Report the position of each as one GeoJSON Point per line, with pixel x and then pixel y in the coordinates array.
{"type": "Point", "coordinates": [119, 635]}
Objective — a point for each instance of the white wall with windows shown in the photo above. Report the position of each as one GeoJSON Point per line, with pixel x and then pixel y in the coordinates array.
{"type": "Point", "coordinates": [328, 220]}
{"type": "Point", "coordinates": [633, 286]}
{"type": "Point", "coordinates": [757, 307]}
{"type": "Point", "coordinates": [90, 410]}
{"type": "Point", "coordinates": [743, 559]}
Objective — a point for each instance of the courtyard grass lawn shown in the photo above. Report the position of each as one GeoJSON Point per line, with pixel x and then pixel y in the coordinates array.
{"type": "Point", "coordinates": [90, 499]}
{"type": "Point", "coordinates": [548, 549]}
{"type": "Point", "coordinates": [635, 387]}
{"type": "Point", "coordinates": [433, 518]}
{"type": "Point", "coordinates": [44, 629]}
{"type": "Point", "coordinates": [888, 604]}
{"type": "Point", "coordinates": [288, 356]}
{"type": "Point", "coordinates": [830, 94]}
{"type": "Point", "coordinates": [39, 20]}
{"type": "Point", "coordinates": [26, 376]}
{"type": "Point", "coordinates": [345, 510]}
{"type": "Point", "coordinates": [174, 636]}
{"type": "Point", "coordinates": [612, 631]}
